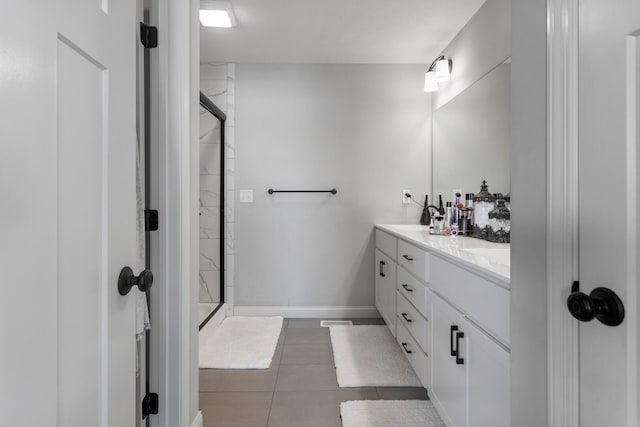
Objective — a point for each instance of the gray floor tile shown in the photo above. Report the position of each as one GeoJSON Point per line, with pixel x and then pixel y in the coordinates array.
{"type": "Point", "coordinates": [312, 408]}
{"type": "Point", "coordinates": [307, 354]}
{"type": "Point", "coordinates": [235, 409]}
{"type": "Point", "coordinates": [307, 336]}
{"type": "Point", "coordinates": [277, 355]}
{"type": "Point", "coordinates": [304, 323]}
{"type": "Point", "coordinates": [238, 379]}
{"type": "Point", "coordinates": [306, 377]}
{"type": "Point", "coordinates": [392, 393]}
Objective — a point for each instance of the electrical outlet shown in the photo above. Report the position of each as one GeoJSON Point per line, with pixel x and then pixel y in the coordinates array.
{"type": "Point", "coordinates": [406, 200]}
{"type": "Point", "coordinates": [246, 196]}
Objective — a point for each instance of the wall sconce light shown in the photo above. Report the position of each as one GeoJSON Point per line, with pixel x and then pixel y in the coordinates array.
{"type": "Point", "coordinates": [216, 13]}
{"type": "Point", "coordinates": [439, 71]}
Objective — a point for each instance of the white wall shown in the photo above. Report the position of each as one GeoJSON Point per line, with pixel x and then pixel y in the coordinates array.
{"type": "Point", "coordinates": [364, 130]}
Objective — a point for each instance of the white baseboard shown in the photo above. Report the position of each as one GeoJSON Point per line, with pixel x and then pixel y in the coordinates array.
{"type": "Point", "coordinates": [198, 421]}
{"type": "Point", "coordinates": [325, 312]}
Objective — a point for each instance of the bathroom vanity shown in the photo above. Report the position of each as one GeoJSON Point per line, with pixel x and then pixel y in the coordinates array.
{"type": "Point", "coordinates": [446, 300]}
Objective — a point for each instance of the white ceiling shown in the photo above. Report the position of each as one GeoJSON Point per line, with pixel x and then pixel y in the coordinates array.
{"type": "Point", "coordinates": [337, 31]}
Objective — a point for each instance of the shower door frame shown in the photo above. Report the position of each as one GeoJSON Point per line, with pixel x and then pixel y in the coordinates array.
{"type": "Point", "coordinates": [213, 109]}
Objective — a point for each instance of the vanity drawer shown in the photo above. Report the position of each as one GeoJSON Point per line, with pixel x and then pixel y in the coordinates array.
{"type": "Point", "coordinates": [386, 243]}
{"type": "Point", "coordinates": [414, 290]}
{"type": "Point", "coordinates": [409, 316]}
{"type": "Point", "coordinates": [417, 358]}
{"type": "Point", "coordinates": [485, 302]}
{"type": "Point", "coordinates": [414, 259]}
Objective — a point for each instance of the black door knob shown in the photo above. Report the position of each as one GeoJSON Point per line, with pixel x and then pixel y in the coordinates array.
{"type": "Point", "coordinates": [128, 280]}
{"type": "Point", "coordinates": [602, 304]}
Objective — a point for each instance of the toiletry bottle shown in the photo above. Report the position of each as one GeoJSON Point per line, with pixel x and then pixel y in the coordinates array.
{"type": "Point", "coordinates": [448, 215]}
{"type": "Point", "coordinates": [456, 210]}
{"type": "Point", "coordinates": [440, 205]}
{"type": "Point", "coordinates": [469, 204]}
{"type": "Point", "coordinates": [424, 218]}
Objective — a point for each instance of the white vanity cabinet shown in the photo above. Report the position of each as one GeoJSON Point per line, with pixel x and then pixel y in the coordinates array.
{"type": "Point", "coordinates": [451, 314]}
{"type": "Point", "coordinates": [402, 299]}
{"type": "Point", "coordinates": [470, 372]}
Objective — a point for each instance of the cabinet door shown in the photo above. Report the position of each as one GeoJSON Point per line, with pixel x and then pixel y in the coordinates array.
{"type": "Point", "coordinates": [386, 289]}
{"type": "Point", "coordinates": [448, 378]}
{"type": "Point", "coordinates": [488, 381]}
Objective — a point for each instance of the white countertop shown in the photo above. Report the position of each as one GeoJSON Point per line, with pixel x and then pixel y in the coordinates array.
{"type": "Point", "coordinates": [487, 258]}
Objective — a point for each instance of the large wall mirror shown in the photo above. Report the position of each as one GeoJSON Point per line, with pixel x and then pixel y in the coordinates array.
{"type": "Point", "coordinates": [471, 137]}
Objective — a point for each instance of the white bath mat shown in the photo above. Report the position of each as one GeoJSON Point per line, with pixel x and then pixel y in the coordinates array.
{"type": "Point", "coordinates": [240, 343]}
{"type": "Point", "coordinates": [385, 413]}
{"type": "Point", "coordinates": [368, 356]}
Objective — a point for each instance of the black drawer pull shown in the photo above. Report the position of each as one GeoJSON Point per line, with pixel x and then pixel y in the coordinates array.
{"type": "Point", "coordinates": [453, 329]}
{"type": "Point", "coordinates": [406, 318]}
{"type": "Point", "coordinates": [404, 345]}
{"type": "Point", "coordinates": [382, 264]}
{"type": "Point", "coordinates": [407, 257]}
{"type": "Point", "coordinates": [407, 288]}
{"type": "Point", "coordinates": [459, 360]}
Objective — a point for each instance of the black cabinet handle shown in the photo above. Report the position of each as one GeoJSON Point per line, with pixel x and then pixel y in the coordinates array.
{"type": "Point", "coordinates": [406, 318]}
{"type": "Point", "coordinates": [382, 264]}
{"type": "Point", "coordinates": [453, 329]}
{"type": "Point", "coordinates": [407, 288]}
{"type": "Point", "coordinates": [404, 345]}
{"type": "Point", "coordinates": [407, 257]}
{"type": "Point", "coordinates": [459, 360]}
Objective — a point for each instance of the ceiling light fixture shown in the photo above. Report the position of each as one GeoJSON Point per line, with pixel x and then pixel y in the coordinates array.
{"type": "Point", "coordinates": [439, 72]}
{"type": "Point", "coordinates": [217, 13]}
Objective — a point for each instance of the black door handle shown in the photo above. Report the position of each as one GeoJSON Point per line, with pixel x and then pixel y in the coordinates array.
{"type": "Point", "coordinates": [406, 318]}
{"type": "Point", "coordinates": [382, 264]}
{"type": "Point", "coordinates": [453, 329]}
{"type": "Point", "coordinates": [407, 288]}
{"type": "Point", "coordinates": [459, 360]}
{"type": "Point", "coordinates": [128, 280]}
{"type": "Point", "coordinates": [602, 304]}
{"type": "Point", "coordinates": [407, 257]}
{"type": "Point", "coordinates": [404, 345]}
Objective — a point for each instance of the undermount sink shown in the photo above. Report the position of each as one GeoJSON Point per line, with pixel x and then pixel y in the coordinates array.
{"type": "Point", "coordinates": [496, 255]}
{"type": "Point", "coordinates": [410, 227]}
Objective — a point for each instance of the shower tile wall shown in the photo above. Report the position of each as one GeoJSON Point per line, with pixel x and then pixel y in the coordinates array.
{"type": "Point", "coordinates": [217, 82]}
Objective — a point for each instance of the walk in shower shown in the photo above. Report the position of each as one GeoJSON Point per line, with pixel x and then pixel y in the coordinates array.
{"type": "Point", "coordinates": [212, 208]}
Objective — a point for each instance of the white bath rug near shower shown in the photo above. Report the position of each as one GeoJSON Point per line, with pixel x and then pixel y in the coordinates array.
{"type": "Point", "coordinates": [368, 356]}
{"type": "Point", "coordinates": [240, 343]}
{"type": "Point", "coordinates": [385, 413]}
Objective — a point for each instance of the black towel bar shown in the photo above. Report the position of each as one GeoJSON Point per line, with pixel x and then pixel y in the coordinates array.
{"type": "Point", "coordinates": [332, 191]}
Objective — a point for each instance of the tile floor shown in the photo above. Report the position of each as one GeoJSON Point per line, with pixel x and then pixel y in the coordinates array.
{"type": "Point", "coordinates": [299, 388]}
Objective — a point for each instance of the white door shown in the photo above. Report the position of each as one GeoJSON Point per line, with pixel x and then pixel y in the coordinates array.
{"type": "Point", "coordinates": [67, 212]}
{"type": "Point", "coordinates": [609, 101]}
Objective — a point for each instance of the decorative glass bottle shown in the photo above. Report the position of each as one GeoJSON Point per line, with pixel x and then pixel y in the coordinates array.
{"type": "Point", "coordinates": [483, 203]}
{"type": "Point", "coordinates": [499, 223]}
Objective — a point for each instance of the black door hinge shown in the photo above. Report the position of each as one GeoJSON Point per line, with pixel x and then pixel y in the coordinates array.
{"type": "Point", "coordinates": [150, 405]}
{"type": "Point", "coordinates": [148, 36]}
{"type": "Point", "coordinates": [150, 220]}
